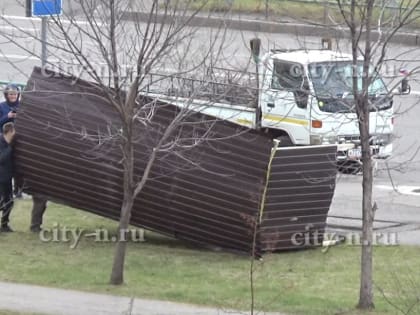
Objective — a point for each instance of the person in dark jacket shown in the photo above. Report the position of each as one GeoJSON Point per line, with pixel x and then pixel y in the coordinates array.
{"type": "Point", "coordinates": [6, 175]}
{"type": "Point", "coordinates": [9, 107]}
{"type": "Point", "coordinates": [8, 110]}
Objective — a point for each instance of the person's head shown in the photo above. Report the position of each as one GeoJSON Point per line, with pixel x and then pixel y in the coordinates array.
{"type": "Point", "coordinates": [12, 93]}
{"type": "Point", "coordinates": [9, 131]}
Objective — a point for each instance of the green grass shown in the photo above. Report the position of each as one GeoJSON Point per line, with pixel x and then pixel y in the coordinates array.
{"type": "Point", "coordinates": [300, 11]}
{"type": "Point", "coordinates": [280, 8]}
{"type": "Point", "coordinates": [300, 282]}
{"type": "Point", "coordinates": [5, 312]}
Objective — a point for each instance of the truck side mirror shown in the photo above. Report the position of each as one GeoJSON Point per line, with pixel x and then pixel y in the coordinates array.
{"type": "Point", "coordinates": [405, 88]}
{"type": "Point", "coordinates": [255, 45]}
{"type": "Point", "coordinates": [301, 98]}
{"type": "Point", "coordinates": [302, 95]}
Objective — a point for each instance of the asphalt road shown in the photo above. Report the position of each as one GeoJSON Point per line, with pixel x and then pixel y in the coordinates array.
{"type": "Point", "coordinates": [397, 179]}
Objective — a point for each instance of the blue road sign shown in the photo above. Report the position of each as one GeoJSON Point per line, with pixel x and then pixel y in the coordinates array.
{"type": "Point", "coordinates": [46, 7]}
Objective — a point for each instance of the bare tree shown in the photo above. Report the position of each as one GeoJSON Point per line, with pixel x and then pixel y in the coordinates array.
{"type": "Point", "coordinates": [119, 57]}
{"type": "Point", "coordinates": [364, 20]}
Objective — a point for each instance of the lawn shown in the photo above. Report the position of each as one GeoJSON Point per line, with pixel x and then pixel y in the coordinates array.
{"type": "Point", "coordinates": [4, 312]}
{"type": "Point", "coordinates": [289, 9]}
{"type": "Point", "coordinates": [316, 11]}
{"type": "Point", "coordinates": [300, 282]}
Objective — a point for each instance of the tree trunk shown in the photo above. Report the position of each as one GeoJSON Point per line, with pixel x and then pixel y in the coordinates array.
{"type": "Point", "coordinates": [366, 271]}
{"type": "Point", "coordinates": [366, 289]}
{"type": "Point", "coordinates": [117, 275]}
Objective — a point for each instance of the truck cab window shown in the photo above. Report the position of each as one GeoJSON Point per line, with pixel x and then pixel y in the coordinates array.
{"type": "Point", "coordinates": [287, 76]}
{"type": "Point", "coordinates": [290, 77]}
{"type": "Point", "coordinates": [333, 86]}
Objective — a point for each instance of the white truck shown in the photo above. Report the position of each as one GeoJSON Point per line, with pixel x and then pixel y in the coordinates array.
{"type": "Point", "coordinates": [304, 97]}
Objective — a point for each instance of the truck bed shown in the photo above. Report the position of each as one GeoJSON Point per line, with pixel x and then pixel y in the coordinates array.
{"type": "Point", "coordinates": [236, 113]}
{"type": "Point", "coordinates": [229, 87]}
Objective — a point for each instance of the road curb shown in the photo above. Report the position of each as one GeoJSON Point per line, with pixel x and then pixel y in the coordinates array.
{"type": "Point", "coordinates": [253, 25]}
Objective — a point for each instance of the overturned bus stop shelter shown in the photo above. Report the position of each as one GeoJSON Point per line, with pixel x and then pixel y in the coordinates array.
{"type": "Point", "coordinates": [216, 193]}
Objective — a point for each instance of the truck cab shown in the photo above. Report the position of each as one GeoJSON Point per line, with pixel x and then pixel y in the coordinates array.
{"type": "Point", "coordinates": [307, 98]}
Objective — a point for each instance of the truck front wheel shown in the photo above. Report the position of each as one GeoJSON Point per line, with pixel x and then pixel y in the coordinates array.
{"type": "Point", "coordinates": [285, 141]}
{"type": "Point", "coordinates": [280, 135]}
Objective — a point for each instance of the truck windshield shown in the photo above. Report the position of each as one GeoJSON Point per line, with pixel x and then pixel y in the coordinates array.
{"type": "Point", "coordinates": [333, 84]}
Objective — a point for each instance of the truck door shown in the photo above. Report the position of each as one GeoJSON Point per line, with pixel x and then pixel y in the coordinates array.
{"type": "Point", "coordinates": [285, 99]}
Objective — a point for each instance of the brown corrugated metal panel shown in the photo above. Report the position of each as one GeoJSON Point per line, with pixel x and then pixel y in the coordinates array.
{"type": "Point", "coordinates": [67, 150]}
{"type": "Point", "coordinates": [299, 194]}
{"type": "Point", "coordinates": [60, 154]}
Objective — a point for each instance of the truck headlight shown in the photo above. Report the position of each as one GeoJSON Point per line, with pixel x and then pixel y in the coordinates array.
{"type": "Point", "coordinates": [329, 139]}
{"type": "Point", "coordinates": [322, 139]}
{"type": "Point", "coordinates": [316, 139]}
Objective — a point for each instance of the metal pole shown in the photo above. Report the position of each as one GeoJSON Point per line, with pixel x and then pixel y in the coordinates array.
{"type": "Point", "coordinates": [266, 9]}
{"type": "Point", "coordinates": [44, 53]}
{"type": "Point", "coordinates": [325, 12]}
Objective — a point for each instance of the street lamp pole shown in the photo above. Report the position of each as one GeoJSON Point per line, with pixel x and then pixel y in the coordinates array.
{"type": "Point", "coordinates": [43, 9]}
{"type": "Point", "coordinates": [44, 51]}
